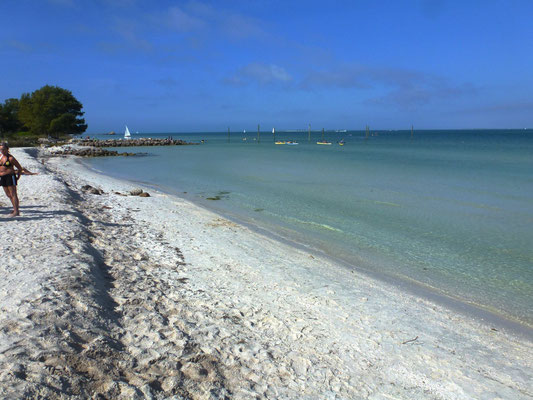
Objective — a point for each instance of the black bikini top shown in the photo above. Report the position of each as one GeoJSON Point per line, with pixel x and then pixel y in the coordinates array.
{"type": "Point", "coordinates": [6, 163]}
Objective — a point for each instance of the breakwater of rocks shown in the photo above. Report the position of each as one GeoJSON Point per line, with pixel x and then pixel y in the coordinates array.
{"type": "Point", "coordinates": [85, 152]}
{"type": "Point", "coordinates": [131, 142]}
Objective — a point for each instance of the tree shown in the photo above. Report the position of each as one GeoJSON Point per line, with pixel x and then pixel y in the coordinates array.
{"type": "Point", "coordinates": [53, 111]}
{"type": "Point", "coordinates": [9, 120]}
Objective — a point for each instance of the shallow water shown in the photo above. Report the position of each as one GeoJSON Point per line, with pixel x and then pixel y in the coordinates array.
{"type": "Point", "coordinates": [450, 210]}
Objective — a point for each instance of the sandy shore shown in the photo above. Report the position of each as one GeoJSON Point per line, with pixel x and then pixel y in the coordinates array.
{"type": "Point", "coordinates": [126, 297]}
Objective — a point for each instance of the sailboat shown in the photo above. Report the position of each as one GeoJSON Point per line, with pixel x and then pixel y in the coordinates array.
{"type": "Point", "coordinates": [277, 141]}
{"type": "Point", "coordinates": [323, 141]}
{"type": "Point", "coordinates": [127, 134]}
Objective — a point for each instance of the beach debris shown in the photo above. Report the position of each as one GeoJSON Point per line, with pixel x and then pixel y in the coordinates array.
{"type": "Point", "coordinates": [136, 192]}
{"type": "Point", "coordinates": [91, 190]}
{"type": "Point", "coordinates": [410, 340]}
{"type": "Point", "coordinates": [219, 196]}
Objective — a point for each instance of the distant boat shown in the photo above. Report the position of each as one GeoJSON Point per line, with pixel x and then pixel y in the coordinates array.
{"type": "Point", "coordinates": [291, 143]}
{"type": "Point", "coordinates": [323, 141]}
{"type": "Point", "coordinates": [280, 142]}
{"type": "Point", "coordinates": [274, 130]}
{"type": "Point", "coordinates": [127, 134]}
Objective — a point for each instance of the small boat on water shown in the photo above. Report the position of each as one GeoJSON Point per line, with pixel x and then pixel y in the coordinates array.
{"type": "Point", "coordinates": [280, 142]}
{"type": "Point", "coordinates": [127, 134]}
{"type": "Point", "coordinates": [291, 143]}
{"type": "Point", "coordinates": [323, 141]}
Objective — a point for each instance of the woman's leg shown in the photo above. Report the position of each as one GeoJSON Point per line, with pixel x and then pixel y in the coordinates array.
{"type": "Point", "coordinates": [8, 194]}
{"type": "Point", "coordinates": [11, 192]}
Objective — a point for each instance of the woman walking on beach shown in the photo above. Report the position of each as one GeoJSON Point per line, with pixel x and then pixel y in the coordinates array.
{"type": "Point", "coordinates": [9, 176]}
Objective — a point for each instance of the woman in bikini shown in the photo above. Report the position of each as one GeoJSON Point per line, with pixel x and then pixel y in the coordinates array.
{"type": "Point", "coordinates": [9, 176]}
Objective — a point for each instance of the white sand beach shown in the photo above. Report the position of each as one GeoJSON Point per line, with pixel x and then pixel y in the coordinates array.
{"type": "Point", "coordinates": [123, 297]}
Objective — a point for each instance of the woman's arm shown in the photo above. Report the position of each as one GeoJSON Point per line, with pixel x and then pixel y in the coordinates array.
{"type": "Point", "coordinates": [26, 172]}
{"type": "Point", "coordinates": [19, 170]}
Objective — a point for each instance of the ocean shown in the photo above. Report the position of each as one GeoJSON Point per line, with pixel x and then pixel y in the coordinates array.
{"type": "Point", "coordinates": [447, 211]}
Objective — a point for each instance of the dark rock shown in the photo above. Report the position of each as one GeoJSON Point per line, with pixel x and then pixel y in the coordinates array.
{"type": "Point", "coordinates": [91, 190]}
{"type": "Point", "coordinates": [144, 194]}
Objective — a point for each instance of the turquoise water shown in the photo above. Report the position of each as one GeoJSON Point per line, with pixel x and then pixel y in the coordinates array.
{"type": "Point", "coordinates": [449, 210]}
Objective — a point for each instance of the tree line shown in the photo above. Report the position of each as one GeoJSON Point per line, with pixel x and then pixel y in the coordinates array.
{"type": "Point", "coordinates": [50, 111]}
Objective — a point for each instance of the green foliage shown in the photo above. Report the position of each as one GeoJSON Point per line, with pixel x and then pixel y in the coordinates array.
{"type": "Point", "coordinates": [9, 121]}
{"type": "Point", "coordinates": [21, 139]}
{"type": "Point", "coordinates": [52, 111]}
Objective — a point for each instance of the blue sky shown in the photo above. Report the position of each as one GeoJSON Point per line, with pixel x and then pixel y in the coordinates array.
{"type": "Point", "coordinates": [173, 66]}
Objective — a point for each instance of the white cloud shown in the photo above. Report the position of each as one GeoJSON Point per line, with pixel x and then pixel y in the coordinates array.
{"type": "Point", "coordinates": [180, 20]}
{"type": "Point", "coordinates": [260, 73]}
{"type": "Point", "coordinates": [16, 45]}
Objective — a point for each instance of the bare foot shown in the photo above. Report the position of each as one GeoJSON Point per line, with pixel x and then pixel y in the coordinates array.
{"type": "Point", "coordinates": [14, 214]}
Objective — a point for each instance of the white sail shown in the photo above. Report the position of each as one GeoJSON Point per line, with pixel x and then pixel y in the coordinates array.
{"type": "Point", "coordinates": [244, 131]}
{"type": "Point", "coordinates": [273, 130]}
{"type": "Point", "coordinates": [127, 134]}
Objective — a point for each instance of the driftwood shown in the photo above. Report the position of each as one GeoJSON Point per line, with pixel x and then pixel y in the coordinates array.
{"type": "Point", "coordinates": [410, 340]}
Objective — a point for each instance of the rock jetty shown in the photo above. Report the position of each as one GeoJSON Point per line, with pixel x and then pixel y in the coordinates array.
{"type": "Point", "coordinates": [85, 152]}
{"type": "Point", "coordinates": [130, 142]}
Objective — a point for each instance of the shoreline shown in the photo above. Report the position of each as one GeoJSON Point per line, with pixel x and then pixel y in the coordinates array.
{"type": "Point", "coordinates": [477, 311]}
{"type": "Point", "coordinates": [154, 297]}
